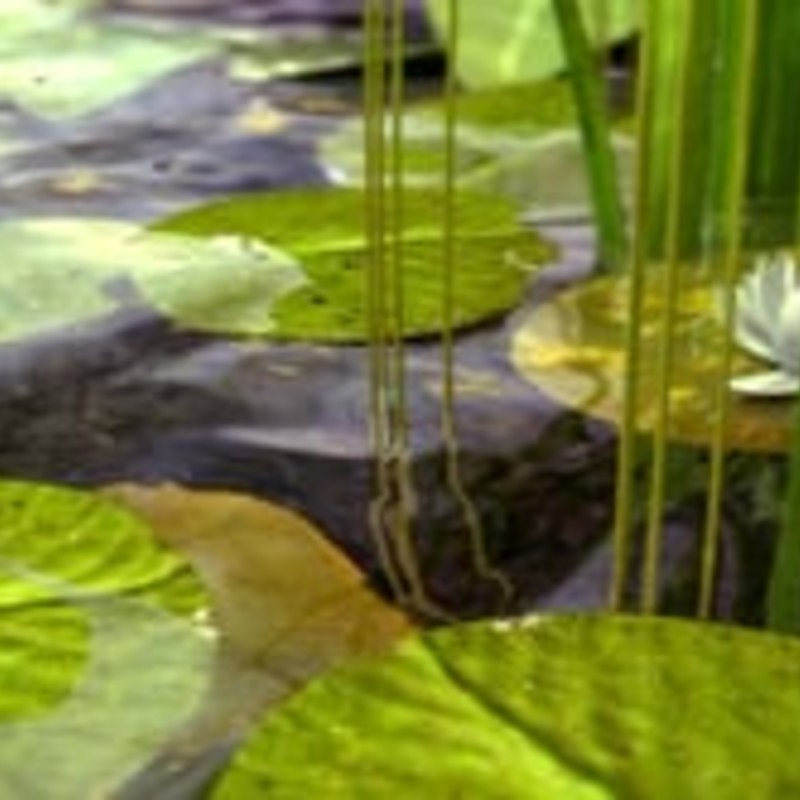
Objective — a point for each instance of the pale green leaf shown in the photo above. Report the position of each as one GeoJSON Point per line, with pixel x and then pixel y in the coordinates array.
{"type": "Point", "coordinates": [325, 231]}
{"type": "Point", "coordinates": [507, 41]}
{"type": "Point", "coordinates": [59, 62]}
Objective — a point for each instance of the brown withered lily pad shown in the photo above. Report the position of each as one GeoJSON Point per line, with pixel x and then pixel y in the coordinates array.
{"type": "Point", "coordinates": [286, 604]}
{"type": "Point", "coordinates": [574, 349]}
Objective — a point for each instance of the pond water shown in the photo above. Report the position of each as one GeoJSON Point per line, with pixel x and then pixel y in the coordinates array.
{"type": "Point", "coordinates": [129, 398]}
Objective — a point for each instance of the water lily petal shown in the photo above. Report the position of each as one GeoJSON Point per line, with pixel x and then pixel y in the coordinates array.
{"type": "Point", "coordinates": [754, 312]}
{"type": "Point", "coordinates": [787, 336]}
{"type": "Point", "coordinates": [754, 338]}
{"type": "Point", "coordinates": [766, 384]}
{"type": "Point", "coordinates": [780, 282]}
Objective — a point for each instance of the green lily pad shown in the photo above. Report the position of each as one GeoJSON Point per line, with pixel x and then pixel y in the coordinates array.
{"type": "Point", "coordinates": [574, 707]}
{"type": "Point", "coordinates": [491, 124]}
{"type": "Point", "coordinates": [521, 109]}
{"type": "Point", "coordinates": [58, 548]}
{"type": "Point", "coordinates": [424, 159]}
{"type": "Point", "coordinates": [142, 677]}
{"type": "Point", "coordinates": [69, 539]}
{"type": "Point", "coordinates": [43, 650]}
{"type": "Point", "coordinates": [549, 177]}
{"type": "Point", "coordinates": [520, 142]}
{"type": "Point", "coordinates": [325, 231]}
{"type": "Point", "coordinates": [524, 37]}
{"type": "Point", "coordinates": [58, 61]}
{"type": "Point", "coordinates": [92, 266]}
{"type": "Point", "coordinates": [94, 647]}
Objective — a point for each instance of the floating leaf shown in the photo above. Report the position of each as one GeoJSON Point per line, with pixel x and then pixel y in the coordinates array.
{"type": "Point", "coordinates": [57, 61]}
{"type": "Point", "coordinates": [524, 37]}
{"type": "Point", "coordinates": [93, 266]}
{"type": "Point", "coordinates": [424, 159]}
{"type": "Point", "coordinates": [548, 105]}
{"type": "Point", "coordinates": [325, 231]}
{"type": "Point", "coordinates": [489, 128]}
{"type": "Point", "coordinates": [535, 159]}
{"type": "Point", "coordinates": [286, 603]}
{"type": "Point", "coordinates": [574, 349]}
{"type": "Point", "coordinates": [580, 708]}
{"type": "Point", "coordinates": [90, 647]}
{"type": "Point", "coordinates": [143, 674]}
{"type": "Point", "coordinates": [548, 177]}
{"type": "Point", "coordinates": [259, 55]}
{"type": "Point", "coordinates": [78, 541]}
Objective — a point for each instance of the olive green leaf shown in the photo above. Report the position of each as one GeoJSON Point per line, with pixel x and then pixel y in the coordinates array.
{"type": "Point", "coordinates": [520, 142]}
{"type": "Point", "coordinates": [325, 231]}
{"type": "Point", "coordinates": [44, 647]}
{"type": "Point", "coordinates": [491, 124]}
{"type": "Point", "coordinates": [574, 707]}
{"type": "Point", "coordinates": [99, 656]}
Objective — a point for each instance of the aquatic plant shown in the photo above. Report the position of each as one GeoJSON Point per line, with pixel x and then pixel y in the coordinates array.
{"type": "Point", "coordinates": [575, 706]}
{"type": "Point", "coordinates": [768, 326]}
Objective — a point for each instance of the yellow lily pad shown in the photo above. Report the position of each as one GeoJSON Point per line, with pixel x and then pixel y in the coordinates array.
{"type": "Point", "coordinates": [573, 348]}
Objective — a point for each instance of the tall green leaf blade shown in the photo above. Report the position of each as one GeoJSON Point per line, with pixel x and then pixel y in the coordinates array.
{"type": "Point", "coordinates": [774, 166]}
{"type": "Point", "coordinates": [704, 128]}
{"type": "Point", "coordinates": [589, 88]}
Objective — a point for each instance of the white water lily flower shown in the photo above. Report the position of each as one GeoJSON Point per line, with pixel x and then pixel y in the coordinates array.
{"type": "Point", "coordinates": [768, 326]}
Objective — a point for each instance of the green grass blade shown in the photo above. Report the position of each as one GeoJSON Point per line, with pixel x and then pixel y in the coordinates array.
{"type": "Point", "coordinates": [774, 169]}
{"type": "Point", "coordinates": [589, 90]}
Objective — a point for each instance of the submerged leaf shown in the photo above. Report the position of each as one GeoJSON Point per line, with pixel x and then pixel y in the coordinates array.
{"type": "Point", "coordinates": [579, 708]}
{"type": "Point", "coordinates": [43, 649]}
